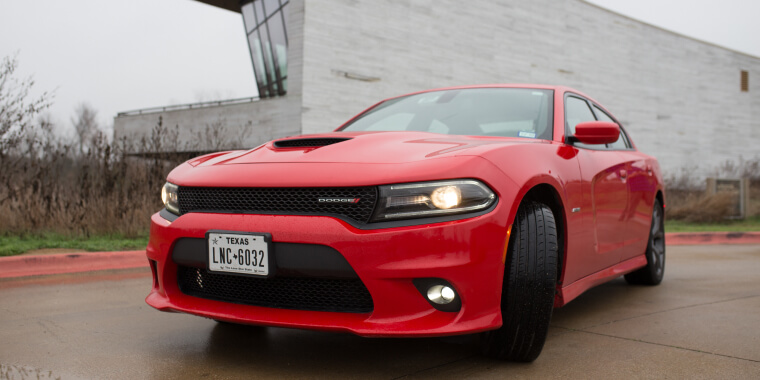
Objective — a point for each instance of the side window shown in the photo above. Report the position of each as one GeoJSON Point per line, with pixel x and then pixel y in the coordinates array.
{"type": "Point", "coordinates": [577, 111]}
{"type": "Point", "coordinates": [621, 142]}
{"type": "Point", "coordinates": [602, 116]}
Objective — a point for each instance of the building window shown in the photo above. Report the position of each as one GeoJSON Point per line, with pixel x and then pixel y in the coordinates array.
{"type": "Point", "coordinates": [268, 41]}
{"type": "Point", "coordinates": [745, 81]}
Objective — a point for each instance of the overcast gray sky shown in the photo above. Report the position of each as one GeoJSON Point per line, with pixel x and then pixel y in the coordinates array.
{"type": "Point", "coordinates": [124, 55]}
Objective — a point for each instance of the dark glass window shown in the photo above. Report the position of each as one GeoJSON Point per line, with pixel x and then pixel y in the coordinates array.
{"type": "Point", "coordinates": [577, 111]}
{"type": "Point", "coordinates": [268, 43]}
{"type": "Point", "coordinates": [259, 12]}
{"type": "Point", "coordinates": [257, 56]}
{"type": "Point", "coordinates": [279, 47]}
{"type": "Point", "coordinates": [271, 6]}
{"type": "Point", "coordinates": [507, 112]}
{"type": "Point", "coordinates": [248, 15]}
{"type": "Point", "coordinates": [622, 142]}
{"type": "Point", "coordinates": [266, 46]}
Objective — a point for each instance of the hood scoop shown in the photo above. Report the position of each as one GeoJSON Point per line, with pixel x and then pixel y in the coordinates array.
{"type": "Point", "coordinates": [308, 142]}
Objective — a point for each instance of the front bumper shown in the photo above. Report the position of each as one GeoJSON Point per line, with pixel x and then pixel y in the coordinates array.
{"type": "Point", "coordinates": [467, 253]}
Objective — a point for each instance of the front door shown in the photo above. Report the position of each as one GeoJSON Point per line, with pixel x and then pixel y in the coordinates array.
{"type": "Point", "coordinates": [605, 192]}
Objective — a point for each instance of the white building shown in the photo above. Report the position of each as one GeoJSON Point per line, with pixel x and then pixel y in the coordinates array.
{"type": "Point", "coordinates": [684, 101]}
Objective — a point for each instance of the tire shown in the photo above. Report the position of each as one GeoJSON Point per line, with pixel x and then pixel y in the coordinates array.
{"type": "Point", "coordinates": [530, 279]}
{"type": "Point", "coordinates": [653, 272]}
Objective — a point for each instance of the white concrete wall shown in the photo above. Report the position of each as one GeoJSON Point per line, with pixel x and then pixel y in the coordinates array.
{"type": "Point", "coordinates": [213, 128]}
{"type": "Point", "coordinates": [679, 98]}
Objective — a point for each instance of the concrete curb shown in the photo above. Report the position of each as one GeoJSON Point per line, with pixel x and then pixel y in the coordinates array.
{"type": "Point", "coordinates": [42, 265]}
{"type": "Point", "coordinates": [704, 238]}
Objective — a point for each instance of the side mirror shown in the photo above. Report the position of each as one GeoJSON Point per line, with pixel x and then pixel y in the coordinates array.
{"type": "Point", "coordinates": [597, 132]}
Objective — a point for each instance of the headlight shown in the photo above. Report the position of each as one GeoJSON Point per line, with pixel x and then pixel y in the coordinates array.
{"type": "Point", "coordinates": [169, 197]}
{"type": "Point", "coordinates": [425, 199]}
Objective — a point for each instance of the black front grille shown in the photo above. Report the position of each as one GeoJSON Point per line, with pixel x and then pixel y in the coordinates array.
{"type": "Point", "coordinates": [298, 293]}
{"type": "Point", "coordinates": [298, 143]}
{"type": "Point", "coordinates": [303, 201]}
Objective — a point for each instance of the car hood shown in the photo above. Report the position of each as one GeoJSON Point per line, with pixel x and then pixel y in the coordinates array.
{"type": "Point", "coordinates": [361, 148]}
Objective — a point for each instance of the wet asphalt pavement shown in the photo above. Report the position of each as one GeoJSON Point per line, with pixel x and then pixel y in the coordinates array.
{"type": "Point", "coordinates": [703, 321]}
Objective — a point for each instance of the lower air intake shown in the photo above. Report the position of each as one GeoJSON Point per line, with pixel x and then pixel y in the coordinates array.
{"type": "Point", "coordinates": [297, 293]}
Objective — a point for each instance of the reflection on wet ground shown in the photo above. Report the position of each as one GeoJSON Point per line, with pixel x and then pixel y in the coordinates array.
{"type": "Point", "coordinates": [268, 351]}
{"type": "Point", "coordinates": [700, 323]}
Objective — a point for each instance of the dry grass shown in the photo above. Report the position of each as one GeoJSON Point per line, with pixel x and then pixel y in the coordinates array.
{"type": "Point", "coordinates": [48, 186]}
{"type": "Point", "coordinates": [687, 200]}
{"type": "Point", "coordinates": [701, 208]}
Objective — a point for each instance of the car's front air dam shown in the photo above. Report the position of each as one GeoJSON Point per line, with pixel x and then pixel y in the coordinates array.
{"type": "Point", "coordinates": [467, 253]}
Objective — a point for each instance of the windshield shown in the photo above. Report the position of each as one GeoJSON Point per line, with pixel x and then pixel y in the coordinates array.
{"type": "Point", "coordinates": [508, 112]}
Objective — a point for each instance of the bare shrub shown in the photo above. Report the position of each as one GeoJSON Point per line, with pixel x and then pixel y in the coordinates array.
{"type": "Point", "coordinates": [50, 186]}
{"type": "Point", "coordinates": [686, 199]}
{"type": "Point", "coordinates": [683, 188]}
{"type": "Point", "coordinates": [89, 186]}
{"type": "Point", "coordinates": [699, 208]}
{"type": "Point", "coordinates": [739, 169]}
{"type": "Point", "coordinates": [216, 135]}
{"type": "Point", "coordinates": [684, 180]}
{"type": "Point", "coordinates": [749, 169]}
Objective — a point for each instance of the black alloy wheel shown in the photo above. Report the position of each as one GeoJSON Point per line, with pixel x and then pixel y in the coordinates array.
{"type": "Point", "coordinates": [654, 271]}
{"type": "Point", "coordinates": [530, 279]}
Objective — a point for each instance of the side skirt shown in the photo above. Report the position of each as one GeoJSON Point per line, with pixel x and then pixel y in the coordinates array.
{"type": "Point", "coordinates": [570, 292]}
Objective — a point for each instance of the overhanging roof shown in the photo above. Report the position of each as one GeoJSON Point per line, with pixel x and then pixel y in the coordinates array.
{"type": "Point", "coordinates": [230, 5]}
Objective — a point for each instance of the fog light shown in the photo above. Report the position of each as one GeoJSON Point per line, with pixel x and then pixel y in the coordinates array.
{"type": "Point", "coordinates": [441, 294]}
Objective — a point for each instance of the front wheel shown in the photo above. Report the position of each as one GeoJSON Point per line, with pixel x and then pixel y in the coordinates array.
{"type": "Point", "coordinates": [530, 279]}
{"type": "Point", "coordinates": [653, 272]}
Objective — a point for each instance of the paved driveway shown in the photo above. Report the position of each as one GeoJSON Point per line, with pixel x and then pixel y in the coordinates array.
{"type": "Point", "coordinates": [703, 321]}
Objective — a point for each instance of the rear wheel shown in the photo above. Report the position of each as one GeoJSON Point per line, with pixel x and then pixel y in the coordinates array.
{"type": "Point", "coordinates": [530, 280]}
{"type": "Point", "coordinates": [653, 272]}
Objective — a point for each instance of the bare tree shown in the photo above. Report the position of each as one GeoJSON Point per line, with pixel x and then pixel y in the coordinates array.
{"type": "Point", "coordinates": [85, 125]}
{"type": "Point", "coordinates": [46, 124]}
{"type": "Point", "coordinates": [216, 136]}
{"type": "Point", "coordinates": [17, 110]}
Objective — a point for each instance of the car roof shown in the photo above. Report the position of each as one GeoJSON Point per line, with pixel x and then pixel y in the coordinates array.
{"type": "Point", "coordinates": [560, 89]}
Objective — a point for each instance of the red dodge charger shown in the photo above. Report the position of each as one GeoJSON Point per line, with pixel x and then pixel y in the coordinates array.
{"type": "Point", "coordinates": [453, 211]}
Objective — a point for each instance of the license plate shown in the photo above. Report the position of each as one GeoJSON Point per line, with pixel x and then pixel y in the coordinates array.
{"type": "Point", "coordinates": [237, 252]}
